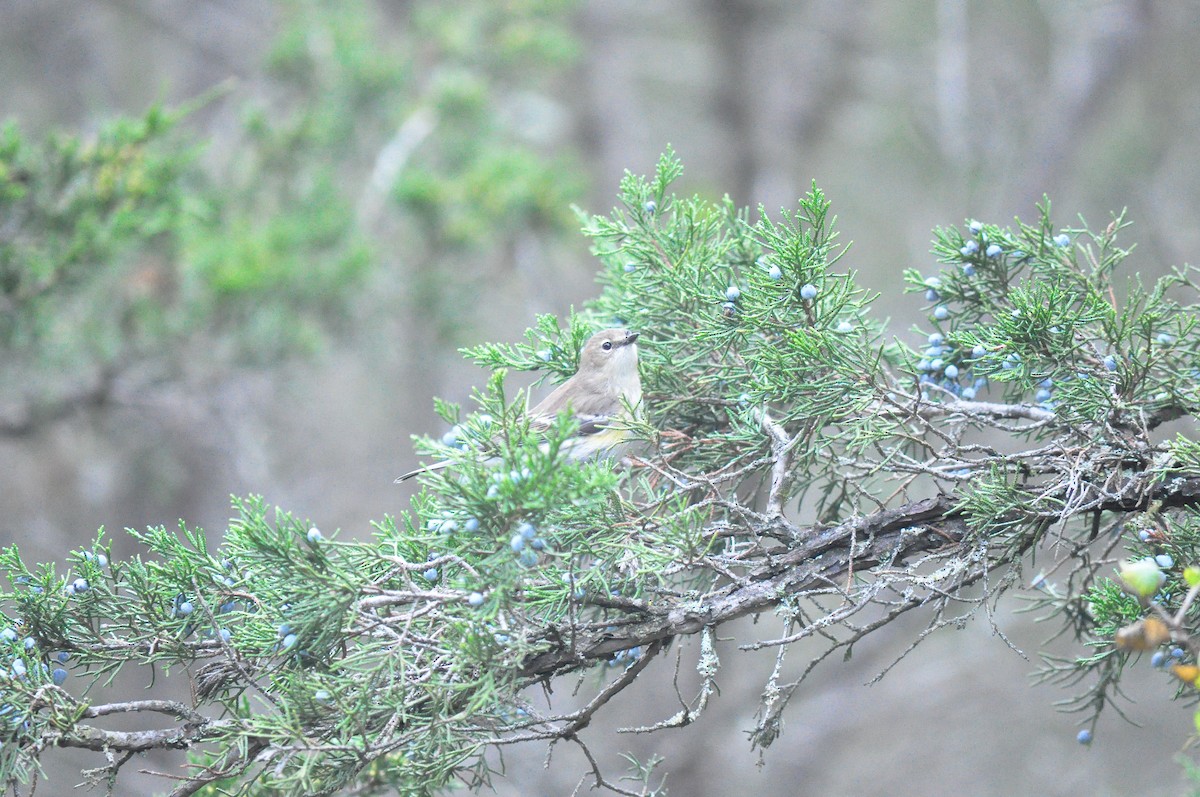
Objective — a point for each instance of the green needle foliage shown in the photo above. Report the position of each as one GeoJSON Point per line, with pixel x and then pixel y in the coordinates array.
{"type": "Point", "coordinates": [368, 161]}
{"type": "Point", "coordinates": [796, 464]}
{"type": "Point", "coordinates": [72, 213]}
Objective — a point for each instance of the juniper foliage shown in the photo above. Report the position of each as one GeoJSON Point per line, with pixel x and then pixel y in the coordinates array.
{"type": "Point", "coordinates": [797, 463]}
{"type": "Point", "coordinates": [152, 253]}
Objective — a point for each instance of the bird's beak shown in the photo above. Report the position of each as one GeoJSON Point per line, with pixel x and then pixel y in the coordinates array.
{"type": "Point", "coordinates": [631, 338]}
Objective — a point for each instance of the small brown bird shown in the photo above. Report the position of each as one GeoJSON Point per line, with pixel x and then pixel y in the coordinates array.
{"type": "Point", "coordinates": [601, 391]}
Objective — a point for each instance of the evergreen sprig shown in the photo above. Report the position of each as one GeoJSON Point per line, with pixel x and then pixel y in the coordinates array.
{"type": "Point", "coordinates": [797, 463]}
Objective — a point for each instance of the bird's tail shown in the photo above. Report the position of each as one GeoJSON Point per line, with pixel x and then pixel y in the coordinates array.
{"type": "Point", "coordinates": [424, 469]}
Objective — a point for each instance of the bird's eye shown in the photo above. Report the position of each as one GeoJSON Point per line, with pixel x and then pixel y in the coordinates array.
{"type": "Point", "coordinates": [606, 345]}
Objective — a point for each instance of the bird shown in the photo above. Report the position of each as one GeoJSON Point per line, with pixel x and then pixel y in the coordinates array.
{"type": "Point", "coordinates": [602, 391]}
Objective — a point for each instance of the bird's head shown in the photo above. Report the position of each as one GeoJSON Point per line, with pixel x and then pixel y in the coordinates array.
{"type": "Point", "coordinates": [611, 352]}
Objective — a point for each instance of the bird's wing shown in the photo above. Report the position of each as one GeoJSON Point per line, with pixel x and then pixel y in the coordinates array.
{"type": "Point", "coordinates": [554, 403]}
{"type": "Point", "coordinates": [584, 396]}
{"type": "Point", "coordinates": [588, 424]}
{"type": "Point", "coordinates": [593, 407]}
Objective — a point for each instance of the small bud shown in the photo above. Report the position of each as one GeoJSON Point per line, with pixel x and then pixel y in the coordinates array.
{"type": "Point", "coordinates": [1145, 634]}
{"type": "Point", "coordinates": [1141, 576]}
{"type": "Point", "coordinates": [1188, 673]}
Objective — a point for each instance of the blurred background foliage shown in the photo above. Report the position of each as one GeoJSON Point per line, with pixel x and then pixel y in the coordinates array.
{"type": "Point", "coordinates": [262, 251]}
{"type": "Point", "coordinates": [240, 243]}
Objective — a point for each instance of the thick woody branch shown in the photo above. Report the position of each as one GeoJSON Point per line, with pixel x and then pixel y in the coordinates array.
{"type": "Point", "coordinates": [781, 447]}
{"type": "Point", "coordinates": [891, 534]}
{"type": "Point", "coordinates": [87, 737]}
{"type": "Point", "coordinates": [172, 707]}
{"type": "Point", "coordinates": [818, 558]}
